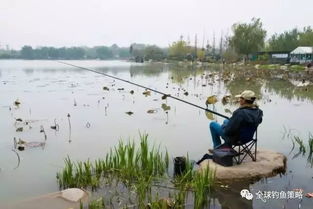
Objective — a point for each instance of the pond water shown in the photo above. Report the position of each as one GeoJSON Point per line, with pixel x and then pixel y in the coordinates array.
{"type": "Point", "coordinates": [48, 91]}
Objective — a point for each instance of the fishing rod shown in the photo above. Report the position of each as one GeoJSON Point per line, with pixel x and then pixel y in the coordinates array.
{"type": "Point", "coordinates": [156, 91]}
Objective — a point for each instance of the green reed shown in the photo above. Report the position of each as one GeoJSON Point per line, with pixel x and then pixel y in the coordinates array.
{"type": "Point", "coordinates": [301, 144]}
{"type": "Point", "coordinates": [310, 144]}
{"type": "Point", "coordinates": [124, 162]}
{"type": "Point", "coordinates": [202, 184]}
{"type": "Point", "coordinates": [310, 157]}
{"type": "Point", "coordinates": [136, 168]}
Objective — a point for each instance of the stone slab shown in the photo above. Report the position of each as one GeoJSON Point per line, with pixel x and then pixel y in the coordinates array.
{"type": "Point", "coordinates": [66, 199]}
{"type": "Point", "coordinates": [269, 163]}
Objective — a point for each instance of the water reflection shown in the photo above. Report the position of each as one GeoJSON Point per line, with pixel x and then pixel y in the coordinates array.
{"type": "Point", "coordinates": [29, 71]}
{"type": "Point", "coordinates": [230, 197]}
{"type": "Point", "coordinates": [147, 70]}
{"type": "Point", "coordinates": [237, 85]}
{"type": "Point", "coordinates": [284, 88]}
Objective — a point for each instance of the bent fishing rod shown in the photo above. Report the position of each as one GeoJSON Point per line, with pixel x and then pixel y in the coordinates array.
{"type": "Point", "coordinates": [156, 91]}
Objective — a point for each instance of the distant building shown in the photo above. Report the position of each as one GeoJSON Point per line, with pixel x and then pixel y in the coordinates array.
{"type": "Point", "coordinates": [273, 57]}
{"type": "Point", "coordinates": [301, 55]}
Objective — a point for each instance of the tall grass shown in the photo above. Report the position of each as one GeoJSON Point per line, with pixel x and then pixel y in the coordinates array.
{"type": "Point", "coordinates": [301, 144]}
{"type": "Point", "coordinates": [125, 162]}
{"type": "Point", "coordinates": [137, 168]}
{"type": "Point", "coordinates": [310, 158]}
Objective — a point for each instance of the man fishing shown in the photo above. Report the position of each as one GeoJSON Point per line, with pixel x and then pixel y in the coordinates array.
{"type": "Point", "coordinates": [247, 115]}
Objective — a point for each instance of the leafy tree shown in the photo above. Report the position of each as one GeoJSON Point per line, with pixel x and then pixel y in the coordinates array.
{"type": "Point", "coordinates": [75, 53]}
{"type": "Point", "coordinates": [153, 52]}
{"type": "Point", "coordinates": [248, 38]}
{"type": "Point", "coordinates": [27, 52]}
{"type": "Point", "coordinates": [289, 40]}
{"type": "Point", "coordinates": [201, 54]}
{"type": "Point", "coordinates": [306, 37]}
{"type": "Point", "coordinates": [123, 53]}
{"type": "Point", "coordinates": [286, 41]}
{"type": "Point", "coordinates": [178, 50]}
{"type": "Point", "coordinates": [104, 52]}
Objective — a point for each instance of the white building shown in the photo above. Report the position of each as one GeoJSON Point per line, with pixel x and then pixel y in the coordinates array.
{"type": "Point", "coordinates": [302, 54]}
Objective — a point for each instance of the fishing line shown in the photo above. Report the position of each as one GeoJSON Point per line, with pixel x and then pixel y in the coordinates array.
{"type": "Point", "coordinates": [156, 91]}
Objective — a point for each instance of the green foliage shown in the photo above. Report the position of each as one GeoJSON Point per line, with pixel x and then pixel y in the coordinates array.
{"type": "Point", "coordinates": [297, 67]}
{"type": "Point", "coordinates": [248, 38]}
{"type": "Point", "coordinates": [179, 50]}
{"type": "Point", "coordinates": [230, 55]}
{"type": "Point", "coordinates": [264, 57]}
{"type": "Point", "coordinates": [137, 170]}
{"type": "Point", "coordinates": [306, 37]}
{"type": "Point", "coordinates": [97, 204]}
{"type": "Point", "coordinates": [289, 40]}
{"type": "Point", "coordinates": [104, 52]}
{"type": "Point", "coordinates": [77, 53]}
{"type": "Point", "coordinates": [27, 52]}
{"type": "Point", "coordinates": [154, 53]}
{"type": "Point", "coordinates": [124, 162]}
{"type": "Point", "coordinates": [286, 41]}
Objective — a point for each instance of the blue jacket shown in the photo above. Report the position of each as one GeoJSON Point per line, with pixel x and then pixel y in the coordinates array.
{"type": "Point", "coordinates": [243, 120]}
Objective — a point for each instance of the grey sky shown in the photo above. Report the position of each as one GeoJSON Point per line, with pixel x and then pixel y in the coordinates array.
{"type": "Point", "coordinates": [104, 22]}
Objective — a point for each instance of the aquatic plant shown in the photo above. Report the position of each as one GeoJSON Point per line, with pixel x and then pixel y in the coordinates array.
{"type": "Point", "coordinates": [310, 157]}
{"type": "Point", "coordinates": [300, 143]}
{"type": "Point", "coordinates": [310, 143]}
{"type": "Point", "coordinates": [94, 204]}
{"type": "Point", "coordinates": [70, 128]}
{"type": "Point", "coordinates": [123, 162]}
{"type": "Point", "coordinates": [137, 169]}
{"type": "Point", "coordinates": [202, 184]}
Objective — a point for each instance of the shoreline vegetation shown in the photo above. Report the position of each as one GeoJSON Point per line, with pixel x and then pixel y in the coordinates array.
{"type": "Point", "coordinates": [137, 176]}
{"type": "Point", "coordinates": [247, 43]}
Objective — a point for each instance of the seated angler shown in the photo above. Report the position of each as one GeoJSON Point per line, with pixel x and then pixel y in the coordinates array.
{"type": "Point", "coordinates": [232, 130]}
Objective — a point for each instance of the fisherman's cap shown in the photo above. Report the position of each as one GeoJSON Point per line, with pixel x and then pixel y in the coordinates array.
{"type": "Point", "coordinates": [246, 95]}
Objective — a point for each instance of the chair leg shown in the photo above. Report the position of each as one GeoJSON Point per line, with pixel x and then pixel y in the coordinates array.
{"type": "Point", "coordinates": [255, 150]}
{"type": "Point", "coordinates": [245, 150]}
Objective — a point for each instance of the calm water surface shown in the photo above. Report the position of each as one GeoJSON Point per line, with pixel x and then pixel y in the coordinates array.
{"type": "Point", "coordinates": [49, 91]}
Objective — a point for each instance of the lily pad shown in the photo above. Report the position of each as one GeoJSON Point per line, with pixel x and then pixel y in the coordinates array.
{"type": "Point", "coordinates": [20, 141]}
{"type": "Point", "coordinates": [129, 113]}
{"type": "Point", "coordinates": [211, 100]}
{"type": "Point", "coordinates": [147, 93]}
{"type": "Point", "coordinates": [19, 129]}
{"type": "Point", "coordinates": [19, 119]}
{"type": "Point", "coordinates": [17, 102]}
{"type": "Point", "coordinates": [106, 88]}
{"type": "Point", "coordinates": [165, 96]}
{"type": "Point", "coordinates": [228, 111]}
{"type": "Point", "coordinates": [186, 93]}
{"type": "Point", "coordinates": [165, 107]}
{"type": "Point", "coordinates": [120, 89]}
{"type": "Point", "coordinates": [209, 115]}
{"type": "Point", "coordinates": [152, 111]}
{"type": "Point", "coordinates": [132, 91]}
{"type": "Point", "coordinates": [225, 99]}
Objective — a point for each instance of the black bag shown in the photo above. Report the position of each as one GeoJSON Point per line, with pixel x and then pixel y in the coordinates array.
{"type": "Point", "coordinates": [179, 165]}
{"type": "Point", "coordinates": [224, 156]}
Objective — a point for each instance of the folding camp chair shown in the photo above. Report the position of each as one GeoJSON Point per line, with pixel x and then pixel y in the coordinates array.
{"type": "Point", "coordinates": [246, 142]}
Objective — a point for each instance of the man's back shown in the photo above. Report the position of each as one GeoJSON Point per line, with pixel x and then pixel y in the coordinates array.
{"type": "Point", "coordinates": [244, 119]}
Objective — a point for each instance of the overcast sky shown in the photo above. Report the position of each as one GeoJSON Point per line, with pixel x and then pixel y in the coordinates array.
{"type": "Point", "coordinates": [104, 22]}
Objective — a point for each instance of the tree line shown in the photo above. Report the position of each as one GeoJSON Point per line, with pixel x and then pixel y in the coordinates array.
{"type": "Point", "coordinates": [246, 38]}
{"type": "Point", "coordinates": [68, 53]}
